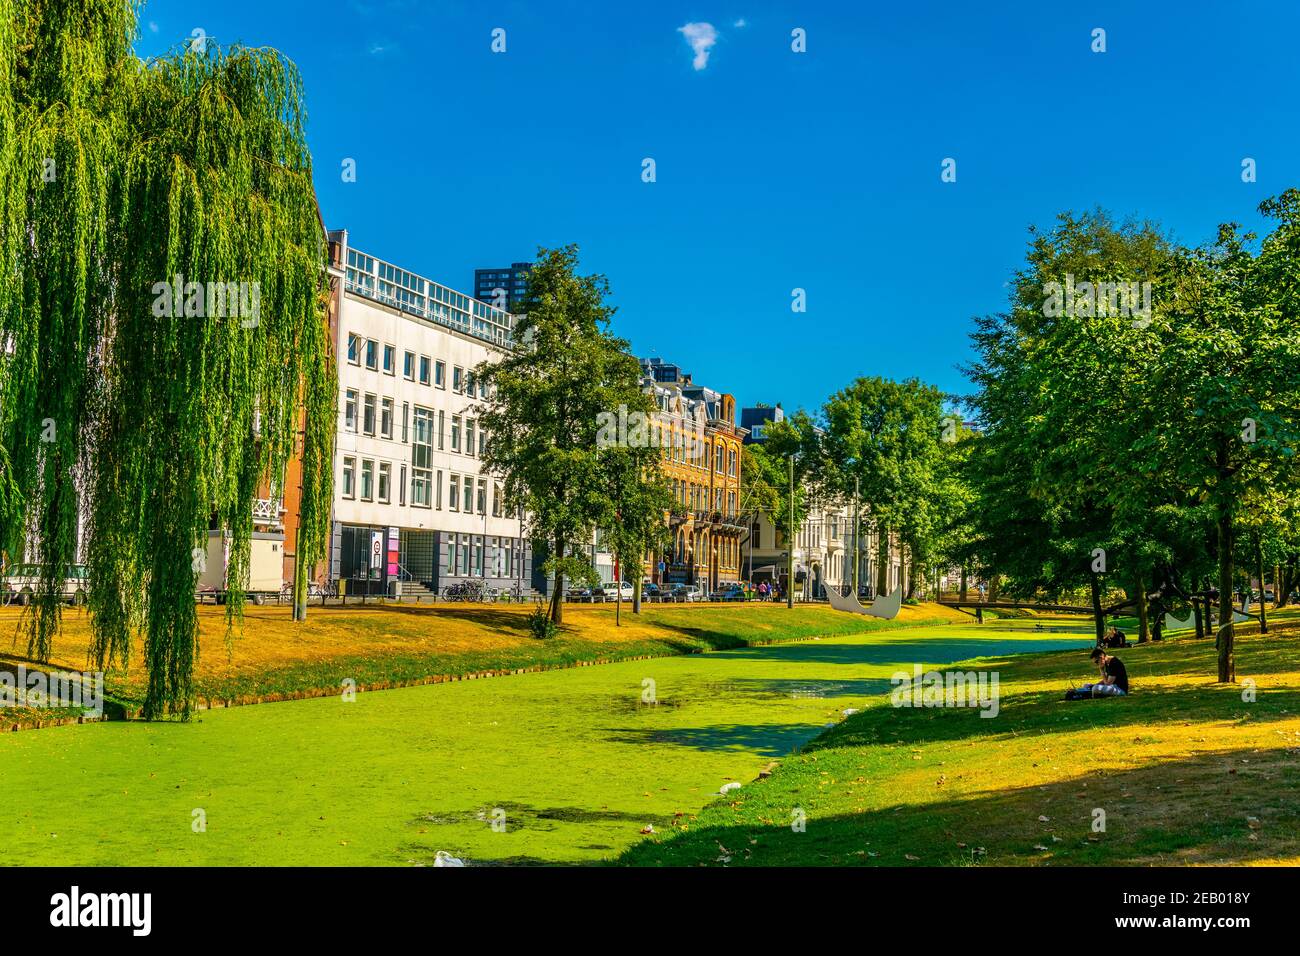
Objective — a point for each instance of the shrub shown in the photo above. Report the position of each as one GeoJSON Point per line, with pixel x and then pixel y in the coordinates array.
{"type": "Point", "coordinates": [540, 624]}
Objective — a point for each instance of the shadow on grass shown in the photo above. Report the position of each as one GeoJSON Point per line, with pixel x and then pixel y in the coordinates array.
{"type": "Point", "coordinates": [1192, 810]}
{"type": "Point", "coordinates": [767, 740]}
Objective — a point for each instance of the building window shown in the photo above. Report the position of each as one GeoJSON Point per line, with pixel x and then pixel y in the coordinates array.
{"type": "Point", "coordinates": [406, 423]}
{"type": "Point", "coordinates": [385, 481]}
{"type": "Point", "coordinates": [453, 493]}
{"type": "Point", "coordinates": [368, 414]}
{"type": "Point", "coordinates": [354, 348]}
{"type": "Point", "coordinates": [440, 374]}
{"type": "Point", "coordinates": [442, 428]}
{"type": "Point", "coordinates": [408, 366]}
{"type": "Point", "coordinates": [350, 410]}
{"type": "Point", "coordinates": [717, 460]}
{"type": "Point", "coordinates": [422, 442]}
{"type": "Point", "coordinates": [458, 380]}
{"type": "Point", "coordinates": [386, 418]}
{"type": "Point", "coordinates": [349, 477]}
{"type": "Point", "coordinates": [437, 491]}
{"type": "Point", "coordinates": [424, 370]}
{"type": "Point", "coordinates": [390, 360]}
{"type": "Point", "coordinates": [469, 436]}
{"type": "Point", "coordinates": [496, 500]}
{"type": "Point", "coordinates": [372, 354]}
{"type": "Point", "coordinates": [482, 441]}
{"type": "Point", "coordinates": [469, 383]}
{"type": "Point", "coordinates": [419, 487]}
{"type": "Point", "coordinates": [455, 433]}
{"type": "Point", "coordinates": [401, 486]}
{"type": "Point", "coordinates": [467, 498]}
{"type": "Point", "coordinates": [482, 497]}
{"type": "Point", "coordinates": [367, 480]}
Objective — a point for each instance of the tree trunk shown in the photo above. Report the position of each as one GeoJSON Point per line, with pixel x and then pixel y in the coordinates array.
{"type": "Point", "coordinates": [911, 577]}
{"type": "Point", "coordinates": [557, 599]}
{"type": "Point", "coordinates": [882, 571]}
{"type": "Point", "coordinates": [1144, 632]}
{"type": "Point", "coordinates": [1277, 586]}
{"type": "Point", "coordinates": [1099, 618]}
{"type": "Point", "coordinates": [962, 596]}
{"type": "Point", "coordinates": [1259, 570]}
{"type": "Point", "coordinates": [1201, 612]}
{"type": "Point", "coordinates": [636, 596]}
{"type": "Point", "coordinates": [299, 581]}
{"type": "Point", "coordinates": [1224, 635]}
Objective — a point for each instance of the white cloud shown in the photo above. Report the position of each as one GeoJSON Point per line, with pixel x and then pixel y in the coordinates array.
{"type": "Point", "coordinates": [740, 24]}
{"type": "Point", "coordinates": [701, 37]}
{"type": "Point", "coordinates": [153, 27]}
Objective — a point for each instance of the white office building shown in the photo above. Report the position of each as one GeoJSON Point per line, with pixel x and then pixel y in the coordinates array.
{"type": "Point", "coordinates": [411, 502]}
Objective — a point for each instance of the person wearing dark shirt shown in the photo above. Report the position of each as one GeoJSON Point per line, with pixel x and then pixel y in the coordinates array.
{"type": "Point", "coordinates": [1114, 676]}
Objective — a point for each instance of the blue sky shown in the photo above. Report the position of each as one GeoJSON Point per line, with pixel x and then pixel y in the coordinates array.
{"type": "Point", "coordinates": [776, 170]}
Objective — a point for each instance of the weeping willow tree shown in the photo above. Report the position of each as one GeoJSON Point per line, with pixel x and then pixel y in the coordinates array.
{"type": "Point", "coordinates": [161, 321]}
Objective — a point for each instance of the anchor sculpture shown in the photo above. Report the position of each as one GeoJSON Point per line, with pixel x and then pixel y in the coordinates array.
{"type": "Point", "coordinates": [885, 607]}
{"type": "Point", "coordinates": [1173, 624]}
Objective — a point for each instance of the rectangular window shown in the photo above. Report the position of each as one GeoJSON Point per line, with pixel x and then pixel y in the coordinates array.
{"type": "Point", "coordinates": [451, 554]}
{"type": "Point", "coordinates": [408, 366]}
{"type": "Point", "coordinates": [354, 349]}
{"type": "Point", "coordinates": [464, 554]}
{"type": "Point", "coordinates": [424, 370]}
{"type": "Point", "coordinates": [419, 488]}
{"type": "Point", "coordinates": [349, 477]}
{"type": "Point", "coordinates": [478, 556]}
{"type": "Point", "coordinates": [368, 414]}
{"type": "Point", "coordinates": [406, 422]}
{"type": "Point", "coordinates": [455, 433]}
{"type": "Point", "coordinates": [367, 480]}
{"type": "Point", "coordinates": [467, 499]}
{"type": "Point", "coordinates": [442, 428]}
{"type": "Point", "coordinates": [390, 360]}
{"type": "Point", "coordinates": [482, 497]}
{"type": "Point", "coordinates": [372, 354]}
{"type": "Point", "coordinates": [386, 418]}
{"type": "Point", "coordinates": [458, 379]}
{"type": "Point", "coordinates": [422, 442]}
{"type": "Point", "coordinates": [496, 500]}
{"type": "Point", "coordinates": [717, 459]}
{"type": "Point", "coordinates": [469, 436]}
{"type": "Point", "coordinates": [440, 374]}
{"type": "Point", "coordinates": [453, 494]}
{"type": "Point", "coordinates": [437, 490]}
{"type": "Point", "coordinates": [401, 486]}
{"type": "Point", "coordinates": [469, 383]}
{"type": "Point", "coordinates": [482, 441]}
{"type": "Point", "coordinates": [350, 410]}
{"type": "Point", "coordinates": [507, 558]}
{"type": "Point", "coordinates": [385, 481]}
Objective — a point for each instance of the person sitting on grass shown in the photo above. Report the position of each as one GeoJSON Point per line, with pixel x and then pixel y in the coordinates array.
{"type": "Point", "coordinates": [1114, 676]}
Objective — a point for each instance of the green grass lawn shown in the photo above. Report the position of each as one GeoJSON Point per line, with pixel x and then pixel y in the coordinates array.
{"type": "Point", "coordinates": [577, 760]}
{"type": "Point", "coordinates": [271, 657]}
{"type": "Point", "coordinates": [1184, 770]}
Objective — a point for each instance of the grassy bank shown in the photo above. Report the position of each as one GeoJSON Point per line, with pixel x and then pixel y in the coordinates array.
{"type": "Point", "coordinates": [272, 657]}
{"type": "Point", "coordinates": [1181, 771]}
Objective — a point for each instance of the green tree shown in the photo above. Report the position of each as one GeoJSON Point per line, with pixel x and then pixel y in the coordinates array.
{"type": "Point", "coordinates": [886, 435]}
{"type": "Point", "coordinates": [132, 192]}
{"type": "Point", "coordinates": [549, 399]}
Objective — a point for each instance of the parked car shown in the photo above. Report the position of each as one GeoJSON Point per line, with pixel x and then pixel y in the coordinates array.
{"type": "Point", "coordinates": [579, 594]}
{"type": "Point", "coordinates": [687, 592]}
{"type": "Point", "coordinates": [611, 592]}
{"type": "Point", "coordinates": [652, 592]}
{"type": "Point", "coordinates": [21, 581]}
{"type": "Point", "coordinates": [732, 592]}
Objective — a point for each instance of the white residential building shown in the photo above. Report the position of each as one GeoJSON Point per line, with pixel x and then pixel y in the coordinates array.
{"type": "Point", "coordinates": [411, 501]}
